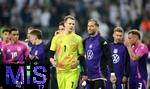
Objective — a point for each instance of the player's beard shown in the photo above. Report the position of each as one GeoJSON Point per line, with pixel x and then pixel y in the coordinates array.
{"type": "Point", "coordinates": [119, 40]}
{"type": "Point", "coordinates": [92, 33]}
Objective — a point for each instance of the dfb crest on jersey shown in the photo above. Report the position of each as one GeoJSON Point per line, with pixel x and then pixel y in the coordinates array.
{"type": "Point", "coordinates": [36, 52]}
{"type": "Point", "coordinates": [8, 50]}
{"type": "Point", "coordinates": [18, 48]}
{"type": "Point", "coordinates": [90, 46]}
{"type": "Point", "coordinates": [115, 51]}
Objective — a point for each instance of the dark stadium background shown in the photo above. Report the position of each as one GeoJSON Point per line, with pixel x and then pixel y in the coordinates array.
{"type": "Point", "coordinates": [46, 14]}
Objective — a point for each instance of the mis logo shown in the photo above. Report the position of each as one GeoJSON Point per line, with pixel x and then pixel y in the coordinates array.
{"type": "Point", "coordinates": [24, 76]}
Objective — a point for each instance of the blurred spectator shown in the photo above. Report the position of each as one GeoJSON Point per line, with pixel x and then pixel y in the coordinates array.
{"type": "Point", "coordinates": [36, 15]}
{"type": "Point", "coordinates": [20, 4]}
{"type": "Point", "coordinates": [147, 6]}
{"type": "Point", "coordinates": [145, 24]}
{"type": "Point", "coordinates": [124, 10]}
{"type": "Point", "coordinates": [26, 15]}
{"type": "Point", "coordinates": [113, 15]}
{"type": "Point", "coordinates": [54, 17]}
{"type": "Point", "coordinates": [104, 29]}
{"type": "Point", "coordinates": [45, 17]}
{"type": "Point", "coordinates": [48, 13]}
{"type": "Point", "coordinates": [93, 13]}
{"type": "Point", "coordinates": [5, 13]}
{"type": "Point", "coordinates": [15, 17]}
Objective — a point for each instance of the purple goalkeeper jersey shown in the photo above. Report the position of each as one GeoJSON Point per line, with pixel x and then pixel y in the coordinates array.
{"type": "Point", "coordinates": [138, 67]}
{"type": "Point", "coordinates": [93, 53]}
{"type": "Point", "coordinates": [19, 49]}
{"type": "Point", "coordinates": [120, 57]}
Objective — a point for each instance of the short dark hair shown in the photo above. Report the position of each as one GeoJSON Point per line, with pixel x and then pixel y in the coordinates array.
{"type": "Point", "coordinates": [37, 33]}
{"type": "Point", "coordinates": [6, 30]}
{"type": "Point", "coordinates": [61, 23]}
{"type": "Point", "coordinates": [135, 32]}
{"type": "Point", "coordinates": [13, 29]}
{"type": "Point", "coordinates": [92, 20]}
{"type": "Point", "coordinates": [68, 17]}
{"type": "Point", "coordinates": [118, 29]}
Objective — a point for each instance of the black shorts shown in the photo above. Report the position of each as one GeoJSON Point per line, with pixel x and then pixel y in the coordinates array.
{"type": "Point", "coordinates": [97, 84]}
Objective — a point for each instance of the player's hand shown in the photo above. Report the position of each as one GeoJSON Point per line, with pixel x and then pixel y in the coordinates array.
{"type": "Point", "coordinates": [113, 78]}
{"type": "Point", "coordinates": [14, 58]}
{"type": "Point", "coordinates": [84, 77]}
{"type": "Point", "coordinates": [127, 43]}
{"type": "Point", "coordinates": [31, 56]}
{"type": "Point", "coordinates": [124, 79]}
{"type": "Point", "coordinates": [52, 62]}
{"type": "Point", "coordinates": [1, 87]}
{"type": "Point", "coordinates": [74, 64]}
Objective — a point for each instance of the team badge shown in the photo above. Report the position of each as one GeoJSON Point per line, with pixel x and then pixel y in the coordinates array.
{"type": "Point", "coordinates": [36, 52]}
{"type": "Point", "coordinates": [115, 51]}
{"type": "Point", "coordinates": [90, 46]}
{"type": "Point", "coordinates": [18, 49]}
{"type": "Point", "coordinates": [8, 50]}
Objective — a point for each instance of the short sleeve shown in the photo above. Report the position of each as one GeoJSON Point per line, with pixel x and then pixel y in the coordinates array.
{"type": "Point", "coordinates": [142, 49]}
{"type": "Point", "coordinates": [53, 44]}
{"type": "Point", "coordinates": [80, 46]}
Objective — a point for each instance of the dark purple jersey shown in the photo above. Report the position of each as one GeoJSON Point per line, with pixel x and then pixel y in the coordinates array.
{"type": "Point", "coordinates": [120, 60]}
{"type": "Point", "coordinates": [93, 53]}
{"type": "Point", "coordinates": [39, 51]}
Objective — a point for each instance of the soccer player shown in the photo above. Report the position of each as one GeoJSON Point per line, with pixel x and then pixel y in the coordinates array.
{"type": "Point", "coordinates": [16, 51]}
{"type": "Point", "coordinates": [138, 53]}
{"type": "Point", "coordinates": [28, 37]}
{"type": "Point", "coordinates": [68, 47]}
{"type": "Point", "coordinates": [5, 37]}
{"type": "Point", "coordinates": [60, 28]}
{"type": "Point", "coordinates": [37, 52]}
{"type": "Point", "coordinates": [54, 84]}
{"type": "Point", "coordinates": [5, 40]}
{"type": "Point", "coordinates": [95, 46]}
{"type": "Point", "coordinates": [120, 57]}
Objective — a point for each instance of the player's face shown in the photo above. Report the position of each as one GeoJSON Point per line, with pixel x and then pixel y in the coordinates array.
{"type": "Point", "coordinates": [5, 36]}
{"type": "Point", "coordinates": [33, 39]}
{"type": "Point", "coordinates": [70, 25]}
{"type": "Point", "coordinates": [61, 28]}
{"type": "Point", "coordinates": [118, 37]}
{"type": "Point", "coordinates": [15, 36]}
{"type": "Point", "coordinates": [132, 39]}
{"type": "Point", "coordinates": [92, 28]}
{"type": "Point", "coordinates": [28, 33]}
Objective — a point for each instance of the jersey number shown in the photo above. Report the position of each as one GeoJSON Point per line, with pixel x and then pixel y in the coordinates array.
{"type": "Point", "coordinates": [72, 84]}
{"type": "Point", "coordinates": [13, 54]}
{"type": "Point", "coordinates": [140, 86]}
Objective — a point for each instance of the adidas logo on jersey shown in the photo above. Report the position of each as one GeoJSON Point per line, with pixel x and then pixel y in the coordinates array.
{"type": "Point", "coordinates": [105, 43]}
